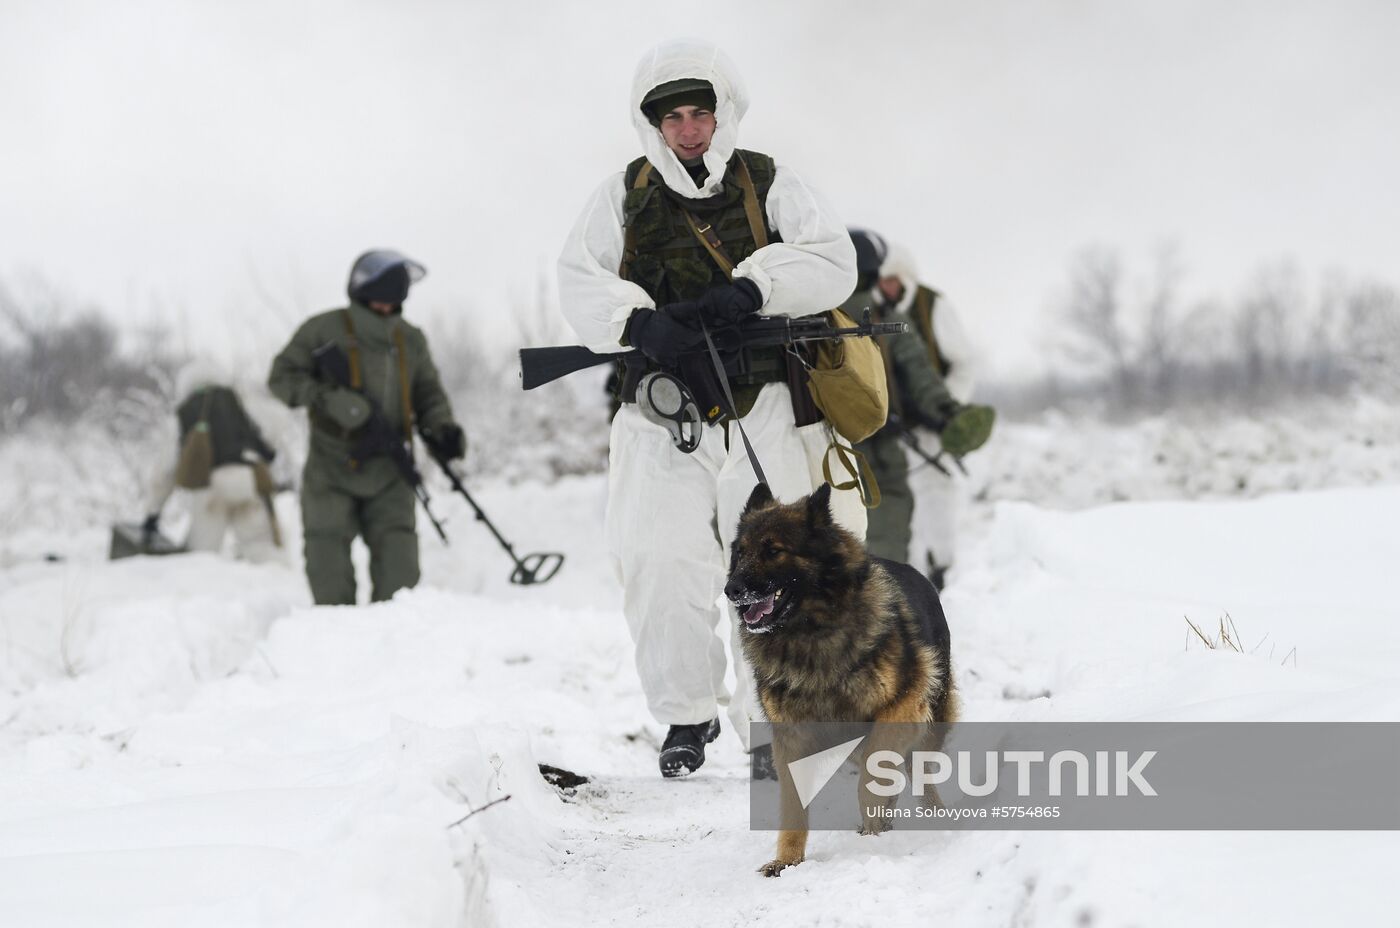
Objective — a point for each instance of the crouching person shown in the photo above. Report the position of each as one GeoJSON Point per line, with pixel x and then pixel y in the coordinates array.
{"type": "Point", "coordinates": [222, 461]}
{"type": "Point", "coordinates": [366, 378]}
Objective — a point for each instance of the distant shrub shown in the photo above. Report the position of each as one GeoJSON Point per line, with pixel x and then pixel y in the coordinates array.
{"type": "Point", "coordinates": [57, 363]}
{"type": "Point", "coordinates": [1125, 345]}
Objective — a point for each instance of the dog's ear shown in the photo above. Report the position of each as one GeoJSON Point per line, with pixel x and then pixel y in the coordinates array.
{"type": "Point", "coordinates": [760, 497]}
{"type": "Point", "coordinates": [819, 506]}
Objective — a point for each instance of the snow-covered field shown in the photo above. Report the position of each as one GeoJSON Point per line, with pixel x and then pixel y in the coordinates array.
{"type": "Point", "coordinates": [186, 741]}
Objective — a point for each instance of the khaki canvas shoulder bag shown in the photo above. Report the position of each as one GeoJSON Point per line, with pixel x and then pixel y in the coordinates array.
{"type": "Point", "coordinates": [848, 384]}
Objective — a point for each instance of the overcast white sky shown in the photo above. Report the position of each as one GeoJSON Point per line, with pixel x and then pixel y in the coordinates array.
{"type": "Point", "coordinates": [223, 163]}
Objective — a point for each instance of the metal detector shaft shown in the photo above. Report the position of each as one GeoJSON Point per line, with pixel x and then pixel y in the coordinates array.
{"type": "Point", "coordinates": [533, 568]}
{"type": "Point", "coordinates": [422, 493]}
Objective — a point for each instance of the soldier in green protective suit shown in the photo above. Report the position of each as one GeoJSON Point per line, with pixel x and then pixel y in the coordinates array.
{"type": "Point", "coordinates": [918, 396]}
{"type": "Point", "coordinates": [346, 492]}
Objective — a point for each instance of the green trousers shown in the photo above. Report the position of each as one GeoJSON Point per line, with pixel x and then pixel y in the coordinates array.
{"type": "Point", "coordinates": [378, 506]}
{"type": "Point", "coordinates": [888, 531]}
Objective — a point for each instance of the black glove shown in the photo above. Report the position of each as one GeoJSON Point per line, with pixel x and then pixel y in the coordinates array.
{"type": "Point", "coordinates": [151, 526]}
{"type": "Point", "coordinates": [447, 441]}
{"type": "Point", "coordinates": [734, 302]}
{"type": "Point", "coordinates": [661, 337]}
{"type": "Point", "coordinates": [724, 305]}
{"type": "Point", "coordinates": [687, 313]}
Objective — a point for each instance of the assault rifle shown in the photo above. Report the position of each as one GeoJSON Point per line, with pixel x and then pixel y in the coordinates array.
{"type": "Point", "coordinates": [539, 366]}
{"type": "Point", "coordinates": [376, 437]}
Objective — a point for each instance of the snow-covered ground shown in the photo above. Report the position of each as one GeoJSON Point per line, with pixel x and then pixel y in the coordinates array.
{"type": "Point", "coordinates": [187, 741]}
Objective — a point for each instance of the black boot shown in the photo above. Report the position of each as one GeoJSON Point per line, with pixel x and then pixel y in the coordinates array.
{"type": "Point", "coordinates": [684, 750]}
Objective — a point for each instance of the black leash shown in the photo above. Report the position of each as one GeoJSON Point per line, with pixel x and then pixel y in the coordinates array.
{"type": "Point", "coordinates": [729, 398]}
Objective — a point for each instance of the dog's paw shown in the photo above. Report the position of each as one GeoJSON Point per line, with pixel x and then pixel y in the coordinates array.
{"type": "Point", "coordinates": [776, 866]}
{"type": "Point", "coordinates": [874, 826]}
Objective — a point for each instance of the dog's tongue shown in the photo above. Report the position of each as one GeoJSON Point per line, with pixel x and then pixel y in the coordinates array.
{"type": "Point", "coordinates": [758, 610]}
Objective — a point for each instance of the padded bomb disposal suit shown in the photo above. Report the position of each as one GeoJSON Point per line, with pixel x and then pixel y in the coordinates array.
{"type": "Point", "coordinates": [340, 500]}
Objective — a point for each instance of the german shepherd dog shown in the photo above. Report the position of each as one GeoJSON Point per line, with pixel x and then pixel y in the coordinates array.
{"type": "Point", "coordinates": [835, 635]}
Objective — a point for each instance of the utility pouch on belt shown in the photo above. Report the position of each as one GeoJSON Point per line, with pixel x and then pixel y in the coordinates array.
{"type": "Point", "coordinates": [197, 453]}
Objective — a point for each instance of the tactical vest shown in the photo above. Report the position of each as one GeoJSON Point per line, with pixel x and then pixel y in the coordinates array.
{"type": "Point", "coordinates": [663, 256]}
{"type": "Point", "coordinates": [921, 311]}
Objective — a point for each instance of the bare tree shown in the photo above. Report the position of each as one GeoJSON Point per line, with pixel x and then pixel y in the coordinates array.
{"type": "Point", "coordinates": [1372, 321]}
{"type": "Point", "coordinates": [1128, 347]}
{"type": "Point", "coordinates": [1094, 316]}
{"type": "Point", "coordinates": [63, 361]}
{"type": "Point", "coordinates": [1158, 357]}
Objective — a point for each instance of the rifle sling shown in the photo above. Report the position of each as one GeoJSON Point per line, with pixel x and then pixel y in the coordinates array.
{"type": "Point", "coordinates": [712, 242]}
{"type": "Point", "coordinates": [404, 397]}
{"type": "Point", "coordinates": [757, 227]}
{"type": "Point", "coordinates": [354, 345]}
{"type": "Point", "coordinates": [357, 381]}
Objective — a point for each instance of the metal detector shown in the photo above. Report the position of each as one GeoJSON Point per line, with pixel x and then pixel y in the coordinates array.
{"type": "Point", "coordinates": [530, 569]}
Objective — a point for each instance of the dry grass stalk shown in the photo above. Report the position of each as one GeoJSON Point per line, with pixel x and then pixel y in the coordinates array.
{"type": "Point", "coordinates": [1228, 638]}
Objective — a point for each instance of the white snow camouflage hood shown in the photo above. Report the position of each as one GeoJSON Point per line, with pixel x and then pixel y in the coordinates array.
{"type": "Point", "coordinates": [899, 262]}
{"type": "Point", "coordinates": [693, 58]}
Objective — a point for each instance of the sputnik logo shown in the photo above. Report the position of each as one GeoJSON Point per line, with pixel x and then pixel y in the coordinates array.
{"type": "Point", "coordinates": [811, 773]}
